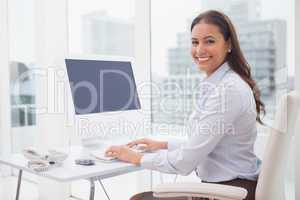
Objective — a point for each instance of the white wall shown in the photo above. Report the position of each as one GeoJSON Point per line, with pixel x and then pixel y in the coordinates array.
{"type": "Point", "coordinates": [142, 54]}
{"type": "Point", "coordinates": [51, 49]}
{"type": "Point", "coordinates": [297, 86]}
{"type": "Point", "coordinates": [297, 44]}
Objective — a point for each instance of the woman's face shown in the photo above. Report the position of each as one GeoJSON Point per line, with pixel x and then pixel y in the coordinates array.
{"type": "Point", "coordinates": [209, 47]}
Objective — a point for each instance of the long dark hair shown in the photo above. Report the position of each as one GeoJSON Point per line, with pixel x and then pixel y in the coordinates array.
{"type": "Point", "coordinates": [235, 58]}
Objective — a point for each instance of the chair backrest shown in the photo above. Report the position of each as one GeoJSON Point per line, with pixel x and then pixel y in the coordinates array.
{"type": "Point", "coordinates": [270, 184]}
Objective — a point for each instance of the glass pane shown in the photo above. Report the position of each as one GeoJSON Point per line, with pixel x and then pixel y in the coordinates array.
{"type": "Point", "coordinates": [31, 116]}
{"type": "Point", "coordinates": [173, 70]}
{"type": "Point", "coordinates": [263, 40]}
{"type": "Point", "coordinates": [17, 117]}
{"type": "Point", "coordinates": [22, 57]}
{"type": "Point", "coordinates": [103, 27]}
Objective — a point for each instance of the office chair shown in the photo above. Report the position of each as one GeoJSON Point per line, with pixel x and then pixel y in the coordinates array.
{"type": "Point", "coordinates": [270, 185]}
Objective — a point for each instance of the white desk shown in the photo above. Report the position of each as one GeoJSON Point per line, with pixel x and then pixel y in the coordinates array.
{"type": "Point", "coordinates": [69, 171]}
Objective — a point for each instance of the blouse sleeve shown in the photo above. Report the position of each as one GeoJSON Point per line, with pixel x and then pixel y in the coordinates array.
{"type": "Point", "coordinates": [211, 123]}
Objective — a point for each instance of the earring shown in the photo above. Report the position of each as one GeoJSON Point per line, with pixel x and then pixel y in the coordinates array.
{"type": "Point", "coordinates": [229, 50]}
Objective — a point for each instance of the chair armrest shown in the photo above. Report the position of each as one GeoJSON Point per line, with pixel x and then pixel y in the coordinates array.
{"type": "Point", "coordinates": [205, 190]}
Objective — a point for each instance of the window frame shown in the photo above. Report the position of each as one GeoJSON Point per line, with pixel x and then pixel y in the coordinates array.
{"type": "Point", "coordinates": [297, 87]}
{"type": "Point", "coordinates": [4, 86]}
{"type": "Point", "coordinates": [5, 119]}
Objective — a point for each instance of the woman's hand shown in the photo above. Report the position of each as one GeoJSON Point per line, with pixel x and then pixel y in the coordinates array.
{"type": "Point", "coordinates": [124, 153]}
{"type": "Point", "coordinates": [149, 144]}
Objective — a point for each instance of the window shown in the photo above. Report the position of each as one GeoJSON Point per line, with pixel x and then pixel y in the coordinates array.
{"type": "Point", "coordinates": [263, 40]}
{"type": "Point", "coordinates": [172, 68]}
{"type": "Point", "coordinates": [102, 27]}
{"type": "Point", "coordinates": [22, 58]}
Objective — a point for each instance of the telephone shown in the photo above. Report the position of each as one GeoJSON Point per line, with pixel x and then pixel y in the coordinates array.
{"type": "Point", "coordinates": [42, 162]}
{"type": "Point", "coordinates": [32, 154]}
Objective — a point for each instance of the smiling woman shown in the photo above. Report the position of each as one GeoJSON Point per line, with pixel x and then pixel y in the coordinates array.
{"type": "Point", "coordinates": [222, 133]}
{"type": "Point", "coordinates": [209, 47]}
{"type": "Point", "coordinates": [223, 47]}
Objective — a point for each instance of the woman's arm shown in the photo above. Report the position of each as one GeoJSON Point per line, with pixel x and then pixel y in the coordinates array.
{"type": "Point", "coordinates": [149, 144]}
{"type": "Point", "coordinates": [207, 129]}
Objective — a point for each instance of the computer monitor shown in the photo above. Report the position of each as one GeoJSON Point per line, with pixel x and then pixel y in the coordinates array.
{"type": "Point", "coordinates": [102, 85]}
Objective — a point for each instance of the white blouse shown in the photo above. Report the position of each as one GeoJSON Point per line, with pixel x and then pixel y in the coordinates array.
{"type": "Point", "coordinates": [222, 131]}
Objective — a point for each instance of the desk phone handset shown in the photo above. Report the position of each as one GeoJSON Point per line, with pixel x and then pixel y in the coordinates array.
{"type": "Point", "coordinates": [42, 162]}
{"type": "Point", "coordinates": [32, 154]}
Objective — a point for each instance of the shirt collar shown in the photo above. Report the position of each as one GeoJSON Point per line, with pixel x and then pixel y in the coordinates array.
{"type": "Point", "coordinates": [216, 76]}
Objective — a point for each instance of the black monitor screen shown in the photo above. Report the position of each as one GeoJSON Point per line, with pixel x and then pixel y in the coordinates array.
{"type": "Point", "coordinates": [102, 86]}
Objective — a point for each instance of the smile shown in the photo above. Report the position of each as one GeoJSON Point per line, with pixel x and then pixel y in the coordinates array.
{"type": "Point", "coordinates": [201, 59]}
